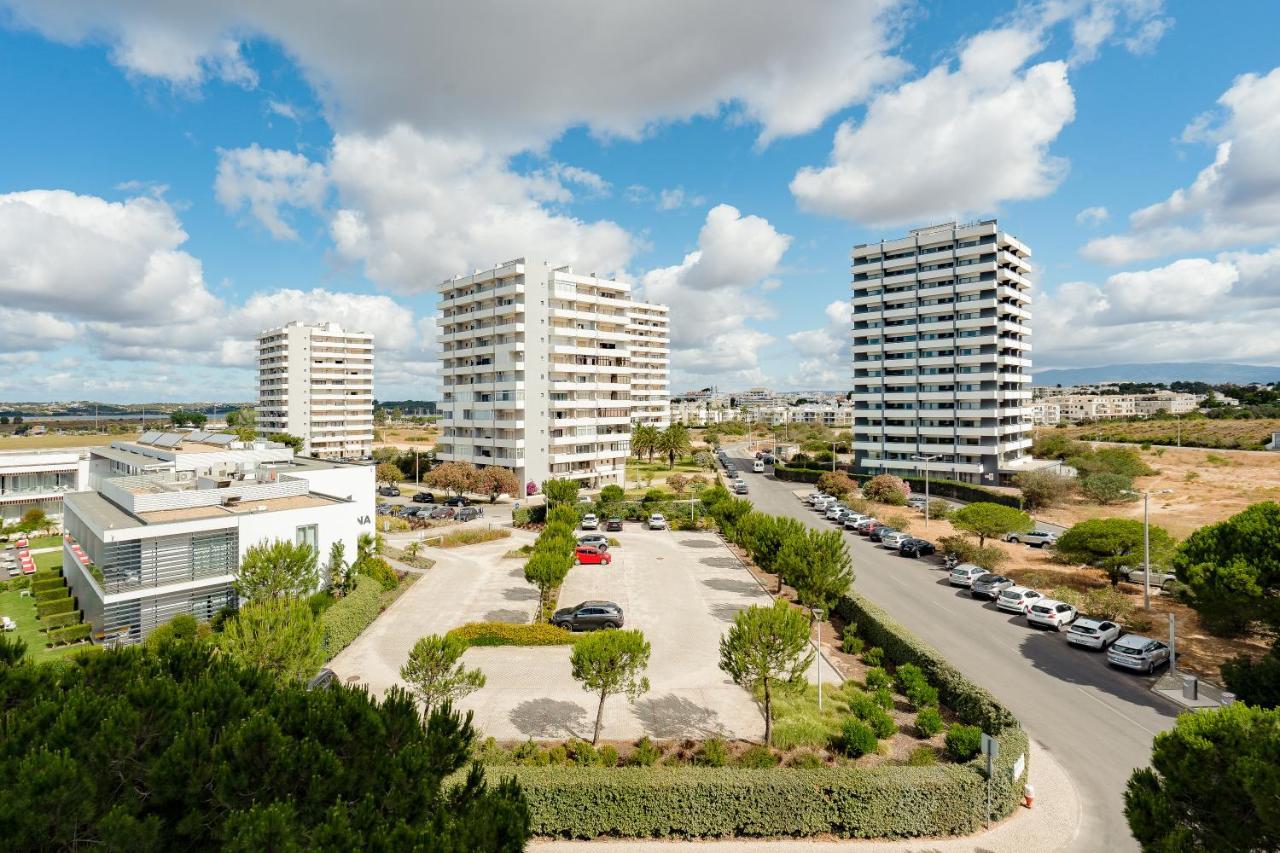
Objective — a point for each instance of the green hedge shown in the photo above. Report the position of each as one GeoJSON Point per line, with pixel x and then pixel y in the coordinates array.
{"type": "Point", "coordinates": [881, 802]}
{"type": "Point", "coordinates": [963, 492]}
{"type": "Point", "coordinates": [509, 634]}
{"type": "Point", "coordinates": [796, 475]}
{"type": "Point", "coordinates": [970, 702]}
{"type": "Point", "coordinates": [70, 634]}
{"type": "Point", "coordinates": [44, 596]}
{"type": "Point", "coordinates": [43, 582]}
{"type": "Point", "coordinates": [352, 613]}
{"type": "Point", "coordinates": [60, 620]}
{"type": "Point", "coordinates": [50, 608]}
{"type": "Point", "coordinates": [526, 515]}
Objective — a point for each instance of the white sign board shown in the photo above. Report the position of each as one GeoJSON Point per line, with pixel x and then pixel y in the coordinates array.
{"type": "Point", "coordinates": [1019, 766]}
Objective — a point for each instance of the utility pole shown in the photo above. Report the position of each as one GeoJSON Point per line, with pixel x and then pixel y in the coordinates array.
{"type": "Point", "coordinates": [926, 459]}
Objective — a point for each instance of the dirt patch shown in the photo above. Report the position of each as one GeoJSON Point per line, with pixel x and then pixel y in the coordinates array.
{"type": "Point", "coordinates": [1199, 432]}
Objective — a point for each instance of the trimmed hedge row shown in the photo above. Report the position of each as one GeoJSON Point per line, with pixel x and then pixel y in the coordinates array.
{"type": "Point", "coordinates": [351, 614]}
{"type": "Point", "coordinates": [963, 492]}
{"type": "Point", "coordinates": [60, 620]}
{"type": "Point", "coordinates": [511, 634]}
{"type": "Point", "coordinates": [44, 596]}
{"type": "Point", "coordinates": [70, 634]}
{"type": "Point", "coordinates": [797, 475]}
{"type": "Point", "coordinates": [970, 702]}
{"type": "Point", "coordinates": [51, 608]}
{"type": "Point", "coordinates": [697, 802]}
{"type": "Point", "coordinates": [45, 582]}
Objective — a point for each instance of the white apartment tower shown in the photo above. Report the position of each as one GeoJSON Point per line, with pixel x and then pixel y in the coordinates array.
{"type": "Point", "coordinates": [539, 371]}
{"type": "Point", "coordinates": [650, 328]}
{"type": "Point", "coordinates": [941, 355]}
{"type": "Point", "coordinates": [316, 382]}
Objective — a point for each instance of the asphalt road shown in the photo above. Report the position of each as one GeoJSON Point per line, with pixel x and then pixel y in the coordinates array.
{"type": "Point", "coordinates": [1098, 722]}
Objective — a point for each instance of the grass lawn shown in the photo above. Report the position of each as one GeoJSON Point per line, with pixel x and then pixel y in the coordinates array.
{"type": "Point", "coordinates": [54, 541]}
{"type": "Point", "coordinates": [22, 609]}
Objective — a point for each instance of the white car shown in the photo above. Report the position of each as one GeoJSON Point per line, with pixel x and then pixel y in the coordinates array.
{"type": "Point", "coordinates": [892, 541]}
{"type": "Point", "coordinates": [851, 520]}
{"type": "Point", "coordinates": [812, 497]}
{"type": "Point", "coordinates": [758, 466]}
{"type": "Point", "coordinates": [1036, 538]}
{"type": "Point", "coordinates": [835, 510]}
{"type": "Point", "coordinates": [1017, 599]}
{"type": "Point", "coordinates": [590, 522]}
{"type": "Point", "coordinates": [657, 521]}
{"type": "Point", "coordinates": [1093, 633]}
{"type": "Point", "coordinates": [1141, 653]}
{"type": "Point", "coordinates": [1051, 613]}
{"type": "Point", "coordinates": [965, 574]}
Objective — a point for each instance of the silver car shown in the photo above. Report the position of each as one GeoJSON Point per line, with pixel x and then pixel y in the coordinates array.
{"type": "Point", "coordinates": [965, 574]}
{"type": "Point", "coordinates": [989, 586]}
{"type": "Point", "coordinates": [851, 520]}
{"type": "Point", "coordinates": [1139, 653]}
{"type": "Point", "coordinates": [1017, 599]}
{"type": "Point", "coordinates": [1036, 538]}
{"type": "Point", "coordinates": [1159, 580]}
{"type": "Point", "coordinates": [893, 540]}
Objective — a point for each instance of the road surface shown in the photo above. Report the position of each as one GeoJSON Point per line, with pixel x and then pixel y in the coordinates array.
{"type": "Point", "coordinates": [1097, 722]}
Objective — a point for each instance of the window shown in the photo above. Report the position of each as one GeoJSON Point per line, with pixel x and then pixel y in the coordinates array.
{"type": "Point", "coordinates": [309, 535]}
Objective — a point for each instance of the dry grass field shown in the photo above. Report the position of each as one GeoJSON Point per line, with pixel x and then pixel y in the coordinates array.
{"type": "Point", "coordinates": [58, 442]}
{"type": "Point", "coordinates": [1197, 432]}
{"type": "Point", "coordinates": [408, 438]}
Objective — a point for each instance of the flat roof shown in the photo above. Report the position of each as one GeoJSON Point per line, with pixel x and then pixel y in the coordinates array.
{"type": "Point", "coordinates": [98, 512]}
{"type": "Point", "coordinates": [163, 516]}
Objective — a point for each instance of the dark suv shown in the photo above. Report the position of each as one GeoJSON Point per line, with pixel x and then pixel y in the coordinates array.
{"type": "Point", "coordinates": [468, 513]}
{"type": "Point", "coordinates": [423, 498]}
{"type": "Point", "coordinates": [389, 491]}
{"type": "Point", "coordinates": [589, 616]}
{"type": "Point", "coordinates": [457, 500]}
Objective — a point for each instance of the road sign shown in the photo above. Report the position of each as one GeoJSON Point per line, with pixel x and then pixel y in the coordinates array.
{"type": "Point", "coordinates": [1019, 766]}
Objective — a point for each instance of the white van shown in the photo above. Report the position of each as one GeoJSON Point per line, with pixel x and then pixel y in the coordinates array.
{"type": "Point", "coordinates": [758, 466]}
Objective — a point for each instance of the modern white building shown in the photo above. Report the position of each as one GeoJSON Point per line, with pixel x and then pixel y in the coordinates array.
{"type": "Point", "coordinates": [941, 353]}
{"type": "Point", "coordinates": [1053, 409]}
{"type": "Point", "coordinates": [169, 516]}
{"type": "Point", "coordinates": [650, 328]}
{"type": "Point", "coordinates": [316, 382]}
{"type": "Point", "coordinates": [39, 479]}
{"type": "Point", "coordinates": [539, 371]}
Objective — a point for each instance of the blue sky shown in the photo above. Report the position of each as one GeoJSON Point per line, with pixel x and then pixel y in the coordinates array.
{"type": "Point", "coordinates": [175, 177]}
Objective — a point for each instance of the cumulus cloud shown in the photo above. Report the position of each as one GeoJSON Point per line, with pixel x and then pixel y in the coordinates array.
{"type": "Point", "coordinates": [1234, 201]}
{"type": "Point", "coordinates": [676, 198]}
{"type": "Point", "coordinates": [715, 291]}
{"type": "Point", "coordinates": [265, 180]}
{"type": "Point", "coordinates": [1092, 216]}
{"type": "Point", "coordinates": [824, 352]}
{"type": "Point", "coordinates": [943, 145]}
{"type": "Point", "coordinates": [1138, 25]}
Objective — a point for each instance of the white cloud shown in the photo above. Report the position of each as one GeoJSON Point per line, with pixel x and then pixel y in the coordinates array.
{"type": "Point", "coordinates": [781, 66]}
{"type": "Point", "coordinates": [1234, 201]}
{"type": "Point", "coordinates": [714, 292]}
{"type": "Point", "coordinates": [1138, 25]}
{"type": "Point", "coordinates": [676, 198]}
{"type": "Point", "coordinates": [284, 109]}
{"type": "Point", "coordinates": [264, 180]}
{"type": "Point", "coordinates": [585, 178]}
{"type": "Point", "coordinates": [417, 209]}
{"type": "Point", "coordinates": [1092, 216]}
{"type": "Point", "coordinates": [957, 140]}
{"type": "Point", "coordinates": [22, 331]}
{"type": "Point", "coordinates": [824, 352]}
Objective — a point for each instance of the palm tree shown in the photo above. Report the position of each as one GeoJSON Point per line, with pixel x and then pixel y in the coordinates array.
{"type": "Point", "coordinates": [674, 441]}
{"type": "Point", "coordinates": [644, 439]}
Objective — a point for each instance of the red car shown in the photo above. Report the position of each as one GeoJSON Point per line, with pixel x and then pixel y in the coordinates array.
{"type": "Point", "coordinates": [588, 555]}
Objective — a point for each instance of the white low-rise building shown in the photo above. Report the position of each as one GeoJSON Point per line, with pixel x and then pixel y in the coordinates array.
{"type": "Point", "coordinates": [1071, 408]}
{"type": "Point", "coordinates": [168, 518]}
{"type": "Point", "coordinates": [39, 479]}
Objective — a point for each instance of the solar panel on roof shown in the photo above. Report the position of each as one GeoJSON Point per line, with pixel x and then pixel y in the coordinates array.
{"type": "Point", "coordinates": [169, 439]}
{"type": "Point", "coordinates": [198, 435]}
{"type": "Point", "coordinates": [220, 439]}
{"type": "Point", "coordinates": [150, 435]}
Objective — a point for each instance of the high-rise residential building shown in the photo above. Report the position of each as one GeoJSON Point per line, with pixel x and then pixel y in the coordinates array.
{"type": "Point", "coordinates": [539, 367]}
{"type": "Point", "coordinates": [650, 328]}
{"type": "Point", "coordinates": [316, 382]}
{"type": "Point", "coordinates": [941, 354]}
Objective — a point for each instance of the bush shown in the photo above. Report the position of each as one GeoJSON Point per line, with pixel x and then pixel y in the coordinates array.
{"type": "Point", "coordinates": [990, 557]}
{"type": "Point", "coordinates": [608, 753]}
{"type": "Point", "coordinates": [883, 697]}
{"type": "Point", "coordinates": [351, 614]}
{"type": "Point", "coordinates": [70, 634]}
{"type": "Point", "coordinates": [646, 753]}
{"type": "Point", "coordinates": [1042, 489]}
{"type": "Point", "coordinates": [851, 644]}
{"type": "Point", "coordinates": [908, 675]}
{"type": "Point", "coordinates": [758, 758]}
{"type": "Point", "coordinates": [1107, 488]}
{"type": "Point", "coordinates": [52, 608]}
{"type": "Point", "coordinates": [1108, 603]}
{"type": "Point", "coordinates": [458, 538]}
{"type": "Point", "coordinates": [963, 742]}
{"type": "Point", "coordinates": [582, 753]}
{"type": "Point", "coordinates": [887, 489]}
{"type": "Point", "coordinates": [923, 696]}
{"type": "Point", "coordinates": [510, 634]}
{"type": "Point", "coordinates": [61, 620]}
{"type": "Point", "coordinates": [857, 738]}
{"type": "Point", "coordinates": [928, 722]}
{"type": "Point", "coordinates": [868, 710]}
{"type": "Point", "coordinates": [961, 547]}
{"type": "Point", "coordinates": [40, 583]}
{"type": "Point", "coordinates": [806, 761]}
{"type": "Point", "coordinates": [873, 656]}
{"type": "Point", "coordinates": [922, 756]}
{"type": "Point", "coordinates": [712, 753]}
{"type": "Point", "coordinates": [380, 570]}
{"type": "Point", "coordinates": [558, 755]}
{"type": "Point", "coordinates": [46, 595]}
{"type": "Point", "coordinates": [876, 678]}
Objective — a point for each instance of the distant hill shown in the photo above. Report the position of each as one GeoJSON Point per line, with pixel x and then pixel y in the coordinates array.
{"type": "Point", "coordinates": [1215, 373]}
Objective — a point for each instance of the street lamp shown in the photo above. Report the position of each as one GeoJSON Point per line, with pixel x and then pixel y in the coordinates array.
{"type": "Point", "coordinates": [817, 614]}
{"type": "Point", "coordinates": [926, 459]}
{"type": "Point", "coordinates": [1146, 542]}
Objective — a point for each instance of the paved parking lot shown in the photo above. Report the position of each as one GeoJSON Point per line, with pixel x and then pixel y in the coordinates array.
{"type": "Point", "coordinates": [681, 589]}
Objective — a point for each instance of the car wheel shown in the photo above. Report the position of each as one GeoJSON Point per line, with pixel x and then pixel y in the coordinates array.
{"type": "Point", "coordinates": [609, 626]}
{"type": "Point", "coordinates": [568, 626]}
{"type": "Point", "coordinates": [1013, 539]}
{"type": "Point", "coordinates": [1150, 667]}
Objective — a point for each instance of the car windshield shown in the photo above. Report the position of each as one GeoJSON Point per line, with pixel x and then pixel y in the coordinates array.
{"type": "Point", "coordinates": [1081, 629]}
{"type": "Point", "coordinates": [1040, 608]}
{"type": "Point", "coordinates": [1010, 594]}
{"type": "Point", "coordinates": [1126, 650]}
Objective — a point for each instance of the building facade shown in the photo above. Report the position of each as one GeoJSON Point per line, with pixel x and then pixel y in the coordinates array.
{"type": "Point", "coordinates": [168, 517]}
{"type": "Point", "coordinates": [650, 328]}
{"type": "Point", "coordinates": [941, 353]}
{"type": "Point", "coordinates": [38, 479]}
{"type": "Point", "coordinates": [316, 382]}
{"type": "Point", "coordinates": [1072, 408]}
{"type": "Point", "coordinates": [538, 371]}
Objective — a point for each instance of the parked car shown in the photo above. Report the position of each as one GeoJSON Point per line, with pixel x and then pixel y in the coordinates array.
{"type": "Point", "coordinates": [916, 548]}
{"type": "Point", "coordinates": [613, 524]}
{"type": "Point", "coordinates": [990, 586]}
{"type": "Point", "coordinates": [768, 459]}
{"type": "Point", "coordinates": [892, 540]}
{"type": "Point", "coordinates": [389, 491]}
{"type": "Point", "coordinates": [588, 616]}
{"type": "Point", "coordinates": [916, 502]}
{"type": "Point", "coordinates": [813, 496]}
{"type": "Point", "coordinates": [323, 678]}
{"type": "Point", "coordinates": [442, 512]}
{"type": "Point", "coordinates": [834, 511]}
{"type": "Point", "coordinates": [423, 498]}
{"type": "Point", "coordinates": [865, 525]}
{"type": "Point", "coordinates": [965, 574]}
{"type": "Point", "coordinates": [599, 540]}
{"type": "Point", "coordinates": [1136, 652]}
{"type": "Point", "coordinates": [590, 555]}
{"type": "Point", "coordinates": [657, 521]}
{"type": "Point", "coordinates": [457, 501]}
{"type": "Point", "coordinates": [1017, 599]}
{"type": "Point", "coordinates": [1051, 613]}
{"type": "Point", "coordinates": [739, 488]}
{"type": "Point", "coordinates": [404, 511]}
{"type": "Point", "coordinates": [758, 466]}
{"type": "Point", "coordinates": [1093, 633]}
{"type": "Point", "coordinates": [590, 522]}
{"type": "Point", "coordinates": [384, 509]}
{"type": "Point", "coordinates": [853, 519]}
{"type": "Point", "coordinates": [877, 533]}
{"type": "Point", "coordinates": [469, 513]}
{"type": "Point", "coordinates": [1036, 538]}
{"type": "Point", "coordinates": [1159, 579]}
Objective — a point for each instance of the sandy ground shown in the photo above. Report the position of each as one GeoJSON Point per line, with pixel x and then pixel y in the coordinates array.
{"type": "Point", "coordinates": [408, 438]}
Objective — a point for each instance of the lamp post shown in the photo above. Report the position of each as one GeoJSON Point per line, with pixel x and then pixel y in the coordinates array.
{"type": "Point", "coordinates": [926, 459]}
{"type": "Point", "coordinates": [1146, 544]}
{"type": "Point", "coordinates": [817, 614]}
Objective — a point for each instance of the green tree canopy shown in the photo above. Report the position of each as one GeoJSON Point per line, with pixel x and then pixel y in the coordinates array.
{"type": "Point", "coordinates": [1041, 489]}
{"type": "Point", "coordinates": [453, 477]}
{"type": "Point", "coordinates": [277, 569]}
{"type": "Point", "coordinates": [1213, 784]}
{"type": "Point", "coordinates": [675, 442]}
{"type": "Point", "coordinates": [1107, 488]}
{"type": "Point", "coordinates": [829, 572]}
{"type": "Point", "coordinates": [280, 636]}
{"type": "Point", "coordinates": [608, 663]}
{"type": "Point", "coordinates": [389, 473]}
{"type": "Point", "coordinates": [1114, 544]}
{"type": "Point", "coordinates": [210, 754]}
{"type": "Point", "coordinates": [560, 492]}
{"type": "Point", "coordinates": [435, 673]}
{"type": "Point", "coordinates": [612, 494]}
{"type": "Point", "coordinates": [493, 481]}
{"type": "Point", "coordinates": [989, 520]}
{"type": "Point", "coordinates": [767, 650]}
{"type": "Point", "coordinates": [1233, 569]}
{"type": "Point", "coordinates": [644, 440]}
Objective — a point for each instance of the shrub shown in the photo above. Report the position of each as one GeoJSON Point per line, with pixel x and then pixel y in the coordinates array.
{"type": "Point", "coordinates": [43, 582]}
{"type": "Point", "coordinates": [939, 510]}
{"type": "Point", "coordinates": [961, 547]}
{"type": "Point", "coordinates": [558, 755]}
{"type": "Point", "coordinates": [806, 761]}
{"type": "Point", "coordinates": [1042, 489]}
{"type": "Point", "coordinates": [963, 742]}
{"type": "Point", "coordinates": [922, 696]}
{"type": "Point", "coordinates": [712, 753]}
{"type": "Point", "coordinates": [46, 595]}
{"type": "Point", "coordinates": [1107, 488]}
{"type": "Point", "coordinates": [1108, 603]}
{"type": "Point", "coordinates": [883, 697]}
{"type": "Point", "coordinates": [510, 634]}
{"type": "Point", "coordinates": [869, 710]}
{"type": "Point", "coordinates": [52, 608]}
{"type": "Point", "coordinates": [922, 756]}
{"type": "Point", "coordinates": [758, 758]}
{"type": "Point", "coordinates": [887, 489]}
{"type": "Point", "coordinates": [61, 620]}
{"type": "Point", "coordinates": [351, 614]}
{"type": "Point", "coordinates": [608, 753]}
{"type": "Point", "coordinates": [873, 656]}
{"type": "Point", "coordinates": [529, 754]}
{"type": "Point", "coordinates": [70, 634]}
{"type": "Point", "coordinates": [851, 644]}
{"type": "Point", "coordinates": [857, 738]}
{"type": "Point", "coordinates": [876, 678]}
{"type": "Point", "coordinates": [379, 570]}
{"type": "Point", "coordinates": [582, 753]}
{"type": "Point", "coordinates": [899, 521]}
{"type": "Point", "coordinates": [458, 538]}
{"type": "Point", "coordinates": [990, 557]}
{"type": "Point", "coordinates": [928, 722]}
{"type": "Point", "coordinates": [909, 675]}
{"type": "Point", "coordinates": [646, 753]}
